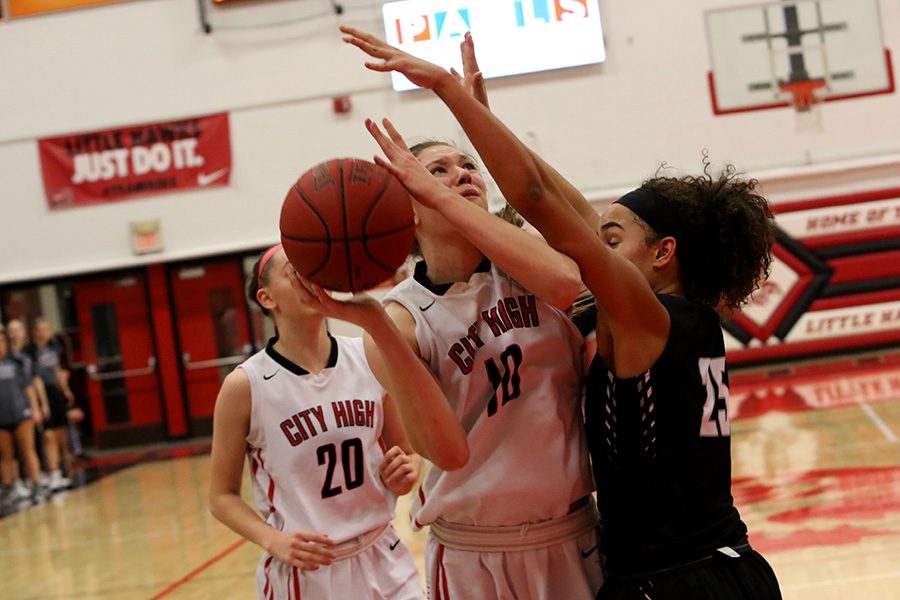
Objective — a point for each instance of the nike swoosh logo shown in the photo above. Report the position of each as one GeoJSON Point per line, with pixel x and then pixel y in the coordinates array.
{"type": "Point", "coordinates": [588, 553]}
{"type": "Point", "coordinates": [424, 308]}
{"type": "Point", "coordinates": [204, 179]}
{"type": "Point", "coordinates": [268, 377]}
{"type": "Point", "coordinates": [394, 545]}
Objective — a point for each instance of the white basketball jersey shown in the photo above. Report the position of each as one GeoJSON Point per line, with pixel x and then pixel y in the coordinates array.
{"type": "Point", "coordinates": [512, 368]}
{"type": "Point", "coordinates": [315, 443]}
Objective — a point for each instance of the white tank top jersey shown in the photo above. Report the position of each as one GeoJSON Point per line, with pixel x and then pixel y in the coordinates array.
{"type": "Point", "coordinates": [512, 368]}
{"type": "Point", "coordinates": [315, 443]}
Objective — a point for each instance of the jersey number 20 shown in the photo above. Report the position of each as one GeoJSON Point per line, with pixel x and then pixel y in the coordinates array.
{"type": "Point", "coordinates": [351, 461]}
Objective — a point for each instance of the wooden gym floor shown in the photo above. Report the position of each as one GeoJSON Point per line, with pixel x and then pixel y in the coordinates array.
{"type": "Point", "coordinates": [816, 471]}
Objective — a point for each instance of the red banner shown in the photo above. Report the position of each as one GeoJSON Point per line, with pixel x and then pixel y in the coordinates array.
{"type": "Point", "coordinates": [141, 160]}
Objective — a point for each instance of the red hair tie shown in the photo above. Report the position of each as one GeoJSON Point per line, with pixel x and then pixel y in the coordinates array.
{"type": "Point", "coordinates": [262, 262]}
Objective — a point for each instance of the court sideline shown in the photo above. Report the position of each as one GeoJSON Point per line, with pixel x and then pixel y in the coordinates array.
{"type": "Point", "coordinates": [816, 476]}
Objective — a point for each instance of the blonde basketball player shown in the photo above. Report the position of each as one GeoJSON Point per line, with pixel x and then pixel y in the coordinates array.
{"type": "Point", "coordinates": [659, 262]}
{"type": "Point", "coordinates": [485, 310]}
{"type": "Point", "coordinates": [309, 416]}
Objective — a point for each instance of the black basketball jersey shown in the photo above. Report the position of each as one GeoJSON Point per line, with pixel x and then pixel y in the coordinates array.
{"type": "Point", "coordinates": [660, 444]}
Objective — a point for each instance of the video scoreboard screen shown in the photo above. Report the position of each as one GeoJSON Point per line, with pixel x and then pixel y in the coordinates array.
{"type": "Point", "coordinates": [511, 36]}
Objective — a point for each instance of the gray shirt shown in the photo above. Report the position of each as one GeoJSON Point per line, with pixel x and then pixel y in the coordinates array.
{"type": "Point", "coordinates": [14, 405]}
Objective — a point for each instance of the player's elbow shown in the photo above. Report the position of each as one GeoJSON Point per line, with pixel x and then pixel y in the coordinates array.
{"type": "Point", "coordinates": [567, 286]}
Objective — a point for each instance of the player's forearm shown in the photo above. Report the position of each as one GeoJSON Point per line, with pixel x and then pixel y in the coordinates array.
{"type": "Point", "coordinates": [40, 393]}
{"type": "Point", "coordinates": [431, 426]}
{"type": "Point", "coordinates": [231, 510]}
{"type": "Point", "coordinates": [32, 396]}
{"type": "Point", "coordinates": [568, 192]}
{"type": "Point", "coordinates": [550, 275]}
{"type": "Point", "coordinates": [507, 159]}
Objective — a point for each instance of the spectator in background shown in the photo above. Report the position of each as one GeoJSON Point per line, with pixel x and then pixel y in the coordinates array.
{"type": "Point", "coordinates": [45, 354]}
{"type": "Point", "coordinates": [18, 416]}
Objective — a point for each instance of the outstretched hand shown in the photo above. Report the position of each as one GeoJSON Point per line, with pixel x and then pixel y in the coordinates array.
{"type": "Point", "coordinates": [403, 165]}
{"type": "Point", "coordinates": [472, 78]}
{"type": "Point", "coordinates": [420, 72]}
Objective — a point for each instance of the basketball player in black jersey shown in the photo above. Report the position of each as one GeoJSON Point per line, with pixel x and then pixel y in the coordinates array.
{"type": "Point", "coordinates": [660, 261]}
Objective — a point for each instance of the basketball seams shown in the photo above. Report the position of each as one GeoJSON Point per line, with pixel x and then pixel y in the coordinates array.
{"type": "Point", "coordinates": [309, 240]}
{"type": "Point", "coordinates": [324, 225]}
{"type": "Point", "coordinates": [388, 180]}
{"type": "Point", "coordinates": [346, 230]}
{"type": "Point", "coordinates": [366, 206]}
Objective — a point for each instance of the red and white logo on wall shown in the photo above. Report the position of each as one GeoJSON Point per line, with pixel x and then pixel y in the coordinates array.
{"type": "Point", "coordinates": [834, 284]}
{"type": "Point", "coordinates": [141, 160]}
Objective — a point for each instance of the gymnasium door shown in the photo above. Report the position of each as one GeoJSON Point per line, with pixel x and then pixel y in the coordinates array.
{"type": "Point", "coordinates": [119, 354]}
{"type": "Point", "coordinates": [214, 336]}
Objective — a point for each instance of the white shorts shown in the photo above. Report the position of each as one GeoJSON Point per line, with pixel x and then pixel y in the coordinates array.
{"type": "Point", "coordinates": [569, 569]}
{"type": "Point", "coordinates": [385, 570]}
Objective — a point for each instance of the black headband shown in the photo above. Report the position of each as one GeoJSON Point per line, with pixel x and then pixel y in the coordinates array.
{"type": "Point", "coordinates": [655, 210]}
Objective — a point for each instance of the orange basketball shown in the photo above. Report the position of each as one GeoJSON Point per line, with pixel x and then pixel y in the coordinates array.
{"type": "Point", "coordinates": [347, 224]}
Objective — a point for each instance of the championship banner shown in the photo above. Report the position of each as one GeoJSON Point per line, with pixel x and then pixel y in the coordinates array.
{"type": "Point", "coordinates": [150, 159]}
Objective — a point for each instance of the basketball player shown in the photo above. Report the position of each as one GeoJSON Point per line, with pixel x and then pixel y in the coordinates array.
{"type": "Point", "coordinates": [659, 262]}
{"type": "Point", "coordinates": [310, 417]}
{"type": "Point", "coordinates": [45, 356]}
{"type": "Point", "coordinates": [18, 415]}
{"type": "Point", "coordinates": [485, 310]}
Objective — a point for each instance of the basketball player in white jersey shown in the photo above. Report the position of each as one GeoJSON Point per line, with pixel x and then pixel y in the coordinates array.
{"type": "Point", "coordinates": [485, 310]}
{"type": "Point", "coordinates": [659, 261]}
{"type": "Point", "coordinates": [327, 451]}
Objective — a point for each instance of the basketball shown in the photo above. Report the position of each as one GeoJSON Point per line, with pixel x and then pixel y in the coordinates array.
{"type": "Point", "coordinates": [347, 224]}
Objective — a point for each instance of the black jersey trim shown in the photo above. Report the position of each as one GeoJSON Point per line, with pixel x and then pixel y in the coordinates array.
{"type": "Point", "coordinates": [420, 275]}
{"type": "Point", "coordinates": [295, 368]}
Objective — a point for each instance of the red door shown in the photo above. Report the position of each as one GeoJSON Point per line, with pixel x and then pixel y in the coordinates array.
{"type": "Point", "coordinates": [121, 363]}
{"type": "Point", "coordinates": [211, 320]}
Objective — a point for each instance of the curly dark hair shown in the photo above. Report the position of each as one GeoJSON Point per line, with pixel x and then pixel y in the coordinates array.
{"type": "Point", "coordinates": [729, 229]}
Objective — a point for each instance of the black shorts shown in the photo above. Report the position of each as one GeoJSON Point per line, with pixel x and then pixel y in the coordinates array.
{"type": "Point", "coordinates": [59, 408]}
{"type": "Point", "coordinates": [11, 427]}
{"type": "Point", "coordinates": [748, 577]}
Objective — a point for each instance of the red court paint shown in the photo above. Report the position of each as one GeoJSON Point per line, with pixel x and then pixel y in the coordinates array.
{"type": "Point", "coordinates": [845, 497]}
{"type": "Point", "coordinates": [806, 538]}
{"type": "Point", "coordinates": [174, 586]}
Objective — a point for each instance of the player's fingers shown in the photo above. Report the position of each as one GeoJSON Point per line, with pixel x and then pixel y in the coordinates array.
{"type": "Point", "coordinates": [391, 168]}
{"type": "Point", "coordinates": [360, 34]}
{"type": "Point", "coordinates": [392, 452]}
{"type": "Point", "coordinates": [395, 135]}
{"type": "Point", "coordinates": [382, 67]}
{"type": "Point", "coordinates": [398, 464]}
{"type": "Point", "coordinates": [455, 74]}
{"type": "Point", "coordinates": [302, 290]}
{"type": "Point", "coordinates": [386, 145]}
{"type": "Point", "coordinates": [316, 553]}
{"type": "Point", "coordinates": [367, 47]}
{"type": "Point", "coordinates": [389, 469]}
{"type": "Point", "coordinates": [311, 536]}
{"type": "Point", "coordinates": [470, 50]}
{"type": "Point", "coordinates": [321, 294]}
{"type": "Point", "coordinates": [310, 561]}
{"type": "Point", "coordinates": [401, 472]}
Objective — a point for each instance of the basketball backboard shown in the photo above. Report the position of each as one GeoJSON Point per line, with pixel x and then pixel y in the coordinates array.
{"type": "Point", "coordinates": [831, 48]}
